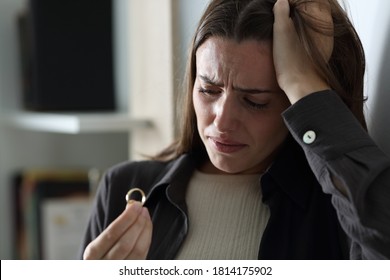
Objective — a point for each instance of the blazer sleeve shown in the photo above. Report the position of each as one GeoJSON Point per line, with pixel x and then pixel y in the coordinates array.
{"type": "Point", "coordinates": [339, 150]}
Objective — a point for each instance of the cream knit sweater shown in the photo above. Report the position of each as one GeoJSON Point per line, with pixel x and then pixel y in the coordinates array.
{"type": "Point", "coordinates": [226, 217]}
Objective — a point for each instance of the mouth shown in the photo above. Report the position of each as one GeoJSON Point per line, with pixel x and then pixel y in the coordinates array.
{"type": "Point", "coordinates": [226, 146]}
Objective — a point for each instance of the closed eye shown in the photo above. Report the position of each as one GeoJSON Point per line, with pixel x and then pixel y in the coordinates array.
{"type": "Point", "coordinates": [254, 105]}
{"type": "Point", "coordinates": [208, 91]}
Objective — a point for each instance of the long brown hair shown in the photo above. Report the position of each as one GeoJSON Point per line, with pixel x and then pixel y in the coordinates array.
{"type": "Point", "coordinates": [253, 19]}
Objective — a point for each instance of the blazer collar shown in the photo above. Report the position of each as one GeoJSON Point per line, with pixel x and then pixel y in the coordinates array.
{"type": "Point", "coordinates": [175, 178]}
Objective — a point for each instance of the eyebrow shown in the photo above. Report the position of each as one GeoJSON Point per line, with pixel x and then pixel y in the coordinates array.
{"type": "Point", "coordinates": [212, 82]}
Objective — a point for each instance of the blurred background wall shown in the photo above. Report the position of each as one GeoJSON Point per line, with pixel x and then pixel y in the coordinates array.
{"type": "Point", "coordinates": [372, 21]}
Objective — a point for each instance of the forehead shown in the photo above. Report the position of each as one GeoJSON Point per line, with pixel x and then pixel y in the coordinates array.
{"type": "Point", "coordinates": [245, 62]}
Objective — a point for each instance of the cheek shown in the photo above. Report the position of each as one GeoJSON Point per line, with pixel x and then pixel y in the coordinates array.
{"type": "Point", "coordinates": [269, 130]}
{"type": "Point", "coordinates": [196, 102]}
{"type": "Point", "coordinates": [203, 111]}
{"type": "Point", "coordinates": [275, 131]}
{"type": "Point", "coordinates": [197, 108]}
{"type": "Point", "coordinates": [274, 123]}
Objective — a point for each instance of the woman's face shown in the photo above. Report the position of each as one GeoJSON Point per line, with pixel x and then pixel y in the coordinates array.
{"type": "Point", "coordinates": [238, 105]}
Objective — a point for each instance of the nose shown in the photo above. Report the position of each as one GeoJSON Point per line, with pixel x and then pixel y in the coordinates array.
{"type": "Point", "coordinates": [226, 114]}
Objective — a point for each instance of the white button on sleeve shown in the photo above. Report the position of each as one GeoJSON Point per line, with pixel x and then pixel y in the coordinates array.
{"type": "Point", "coordinates": [309, 137]}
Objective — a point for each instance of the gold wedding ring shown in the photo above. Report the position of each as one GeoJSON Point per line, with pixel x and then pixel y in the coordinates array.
{"type": "Point", "coordinates": [131, 191]}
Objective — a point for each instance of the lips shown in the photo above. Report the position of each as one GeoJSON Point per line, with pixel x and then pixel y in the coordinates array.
{"type": "Point", "coordinates": [226, 146]}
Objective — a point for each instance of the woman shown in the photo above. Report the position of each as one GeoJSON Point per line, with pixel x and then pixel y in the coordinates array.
{"type": "Point", "coordinates": [273, 160]}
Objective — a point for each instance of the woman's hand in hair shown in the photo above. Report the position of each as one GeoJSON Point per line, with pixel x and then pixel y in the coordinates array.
{"type": "Point", "coordinates": [295, 71]}
{"type": "Point", "coordinates": [127, 237]}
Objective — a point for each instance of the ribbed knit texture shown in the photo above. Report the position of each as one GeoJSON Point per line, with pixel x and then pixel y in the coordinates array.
{"type": "Point", "coordinates": [226, 217]}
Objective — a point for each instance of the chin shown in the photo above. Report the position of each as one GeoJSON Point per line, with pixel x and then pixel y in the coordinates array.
{"type": "Point", "coordinates": [235, 167]}
{"type": "Point", "coordinates": [228, 169]}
